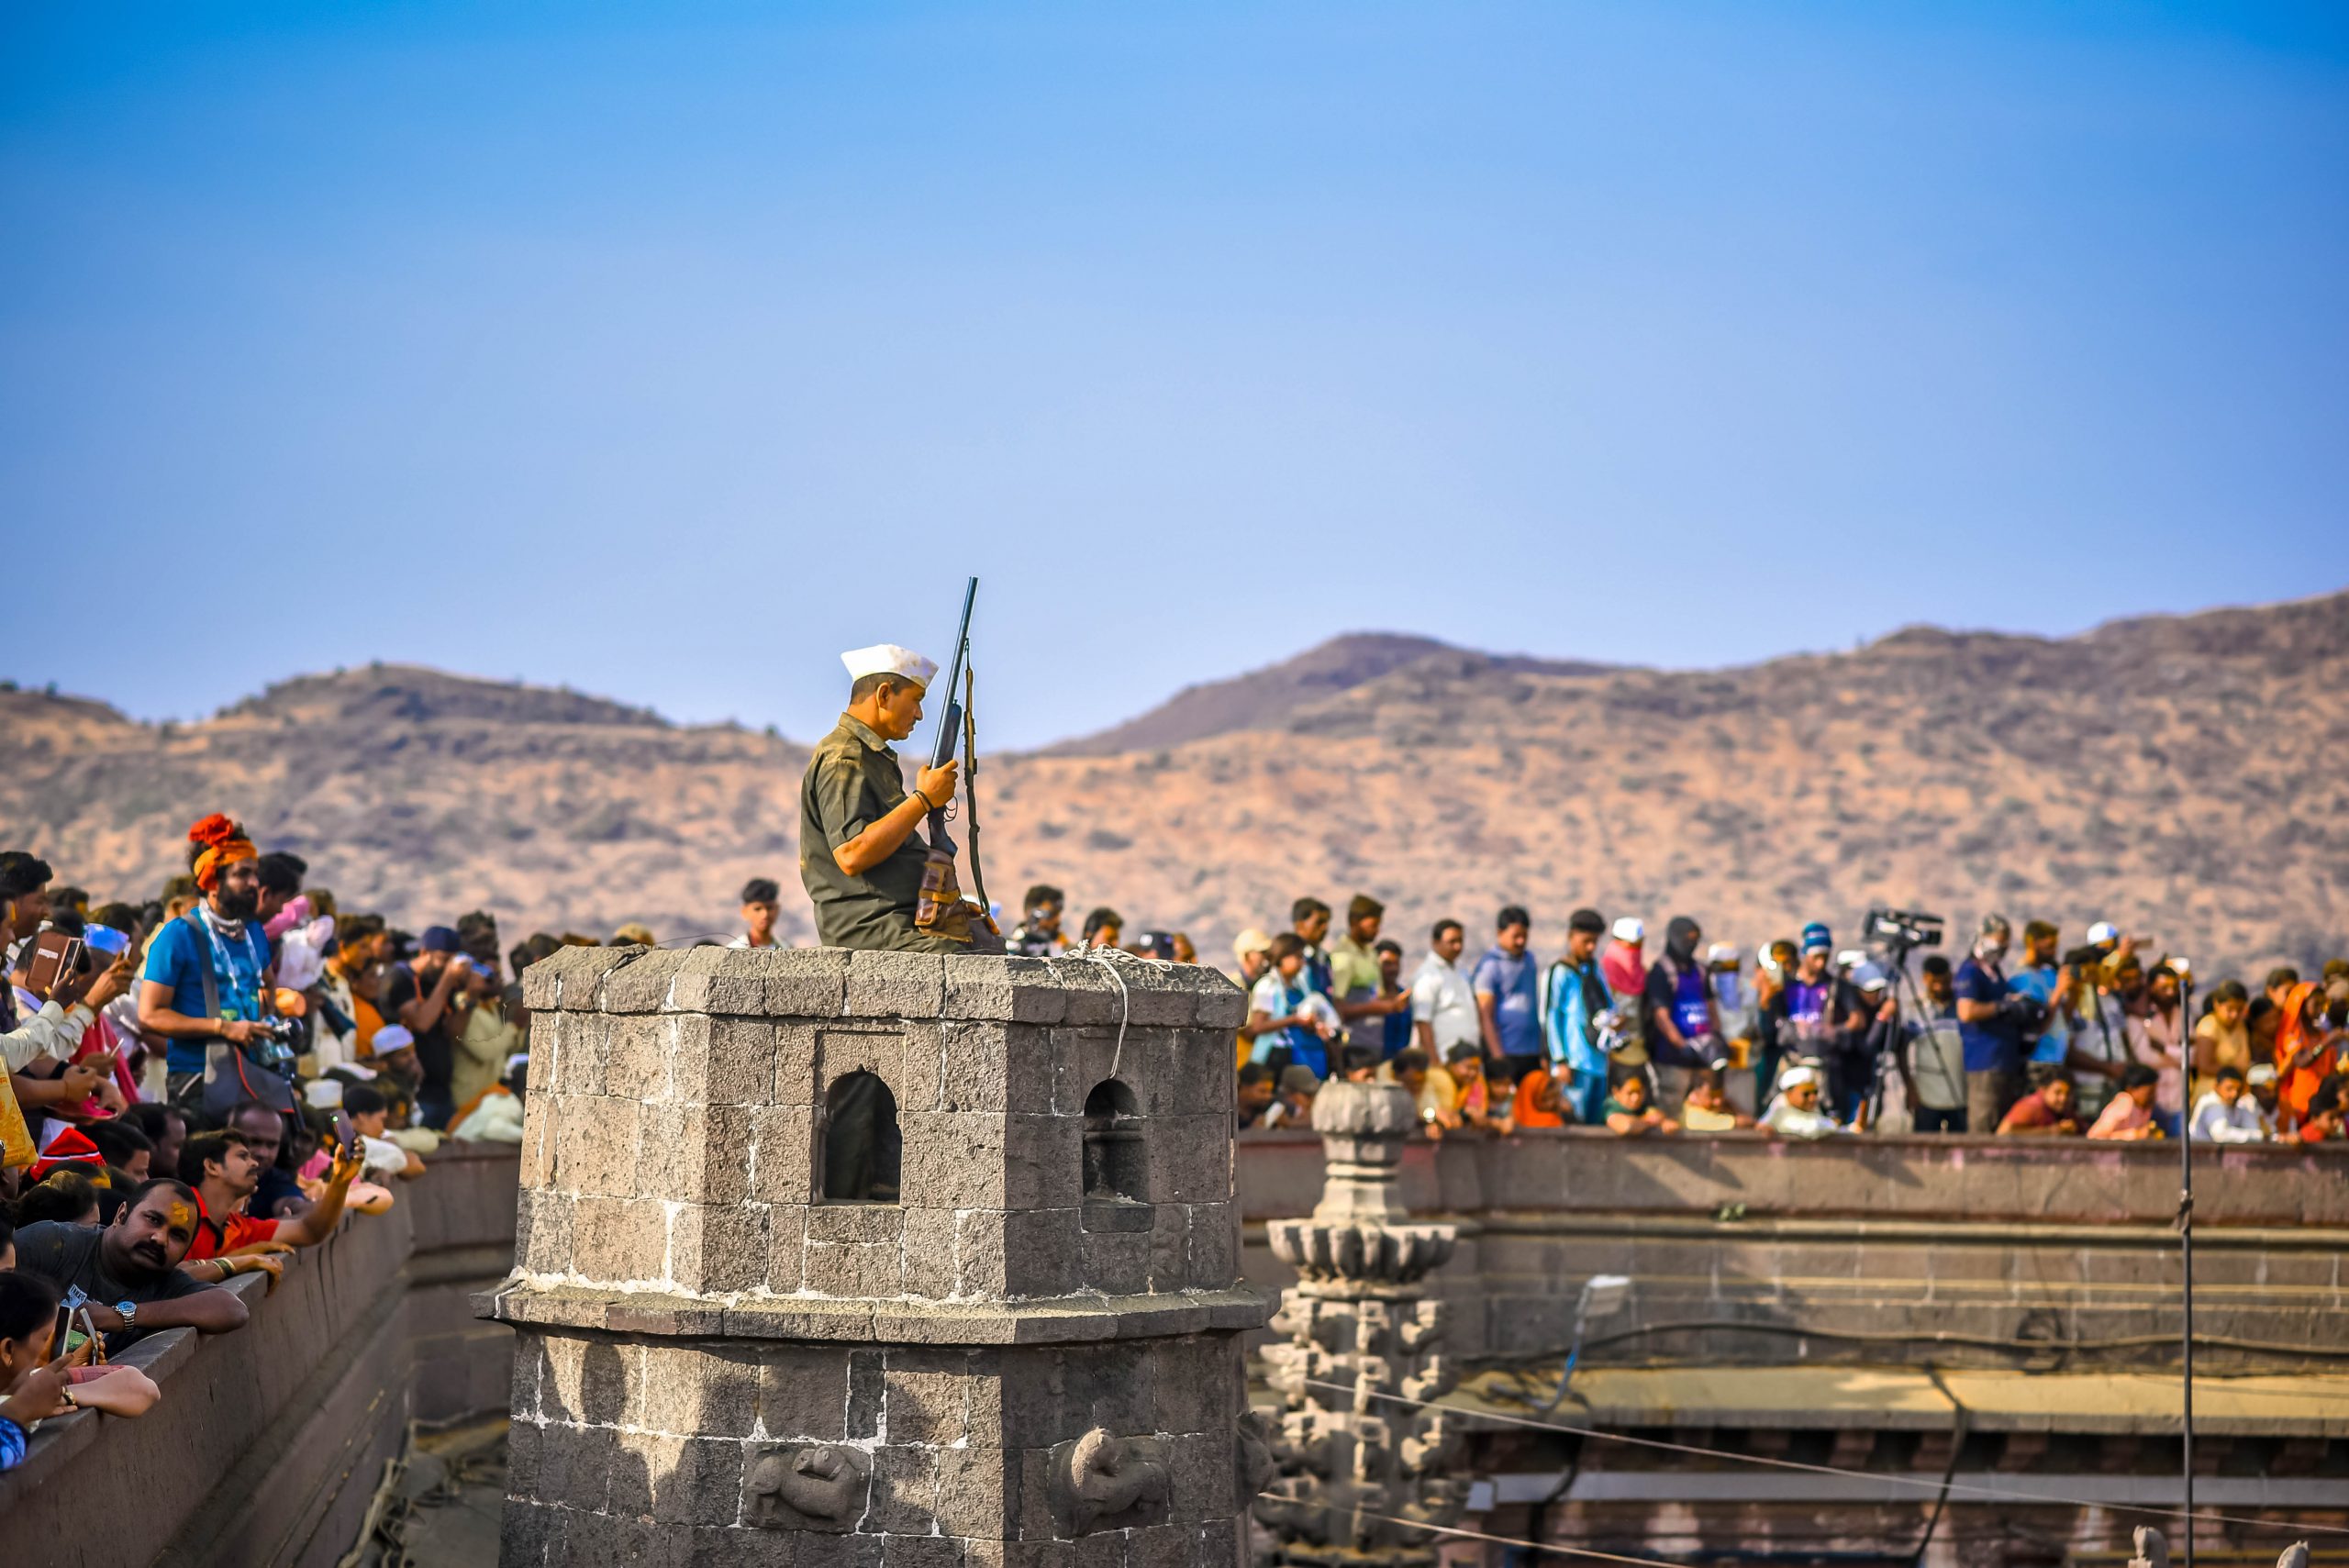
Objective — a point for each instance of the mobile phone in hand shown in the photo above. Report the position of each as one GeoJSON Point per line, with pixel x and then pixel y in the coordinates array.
{"type": "Point", "coordinates": [346, 1133]}
{"type": "Point", "coordinates": [57, 958]}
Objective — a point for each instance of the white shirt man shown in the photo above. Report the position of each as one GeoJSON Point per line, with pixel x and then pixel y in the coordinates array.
{"type": "Point", "coordinates": [2229, 1115]}
{"type": "Point", "coordinates": [1795, 1112]}
{"type": "Point", "coordinates": [1444, 1004]}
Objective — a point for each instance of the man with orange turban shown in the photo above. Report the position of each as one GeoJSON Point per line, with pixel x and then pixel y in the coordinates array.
{"type": "Point", "coordinates": [207, 973]}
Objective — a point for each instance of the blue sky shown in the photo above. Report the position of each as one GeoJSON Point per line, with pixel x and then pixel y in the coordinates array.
{"type": "Point", "coordinates": [667, 351]}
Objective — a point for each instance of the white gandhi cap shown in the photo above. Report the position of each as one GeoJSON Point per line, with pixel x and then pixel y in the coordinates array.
{"type": "Point", "coordinates": [889, 658]}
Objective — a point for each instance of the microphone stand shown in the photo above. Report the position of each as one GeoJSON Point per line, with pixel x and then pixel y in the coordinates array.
{"type": "Point", "coordinates": [2186, 1247]}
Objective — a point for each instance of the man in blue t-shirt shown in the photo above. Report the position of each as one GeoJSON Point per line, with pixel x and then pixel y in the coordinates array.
{"type": "Point", "coordinates": [1988, 1027]}
{"type": "Point", "coordinates": [221, 938]}
{"type": "Point", "coordinates": [1505, 982]}
{"type": "Point", "coordinates": [2038, 978]}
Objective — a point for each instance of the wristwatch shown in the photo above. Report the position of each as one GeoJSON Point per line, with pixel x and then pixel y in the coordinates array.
{"type": "Point", "coordinates": [129, 1310]}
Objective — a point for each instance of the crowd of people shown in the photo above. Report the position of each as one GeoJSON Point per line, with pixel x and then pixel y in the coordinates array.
{"type": "Point", "coordinates": [204, 1083]}
{"type": "Point", "coordinates": [1807, 1040]}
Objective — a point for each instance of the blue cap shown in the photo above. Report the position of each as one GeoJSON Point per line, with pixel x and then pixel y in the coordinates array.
{"type": "Point", "coordinates": [437, 938]}
{"type": "Point", "coordinates": [1816, 938]}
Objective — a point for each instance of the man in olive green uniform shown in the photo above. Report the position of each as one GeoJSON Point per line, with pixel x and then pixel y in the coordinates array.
{"type": "Point", "coordinates": [861, 857]}
{"type": "Point", "coordinates": [860, 853]}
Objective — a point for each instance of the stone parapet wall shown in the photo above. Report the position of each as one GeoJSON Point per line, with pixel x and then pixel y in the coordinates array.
{"type": "Point", "coordinates": [2034, 1180]}
{"type": "Point", "coordinates": [268, 1442]}
{"type": "Point", "coordinates": [1744, 1250]}
{"type": "Point", "coordinates": [720, 1363]}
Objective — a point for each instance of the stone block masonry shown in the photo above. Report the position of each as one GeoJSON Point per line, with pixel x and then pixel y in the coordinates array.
{"type": "Point", "coordinates": [986, 1363]}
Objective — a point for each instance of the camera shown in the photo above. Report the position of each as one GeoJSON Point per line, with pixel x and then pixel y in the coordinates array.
{"type": "Point", "coordinates": [2029, 1015]}
{"type": "Point", "coordinates": [278, 1043]}
{"type": "Point", "coordinates": [1902, 929]}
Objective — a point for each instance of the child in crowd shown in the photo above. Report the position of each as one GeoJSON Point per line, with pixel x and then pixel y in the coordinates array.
{"type": "Point", "coordinates": [1707, 1109]}
{"type": "Point", "coordinates": [2128, 1117]}
{"type": "Point", "coordinates": [1627, 1113]}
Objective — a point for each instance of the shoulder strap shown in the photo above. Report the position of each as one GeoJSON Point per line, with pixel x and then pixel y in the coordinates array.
{"type": "Point", "coordinates": [204, 964]}
{"type": "Point", "coordinates": [1549, 986]}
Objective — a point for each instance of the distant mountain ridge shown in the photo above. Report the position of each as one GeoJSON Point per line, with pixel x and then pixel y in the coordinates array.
{"type": "Point", "coordinates": [1263, 698]}
{"type": "Point", "coordinates": [411, 693]}
{"type": "Point", "coordinates": [2184, 775]}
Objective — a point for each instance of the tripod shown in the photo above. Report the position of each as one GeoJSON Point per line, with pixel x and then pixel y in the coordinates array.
{"type": "Point", "coordinates": [1896, 958]}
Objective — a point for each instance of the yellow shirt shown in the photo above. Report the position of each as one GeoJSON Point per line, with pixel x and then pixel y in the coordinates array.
{"type": "Point", "coordinates": [483, 1046]}
{"type": "Point", "coordinates": [2223, 1046]}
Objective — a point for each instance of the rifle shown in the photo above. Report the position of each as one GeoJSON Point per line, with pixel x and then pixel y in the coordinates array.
{"type": "Point", "coordinates": [949, 723]}
{"type": "Point", "coordinates": [940, 910]}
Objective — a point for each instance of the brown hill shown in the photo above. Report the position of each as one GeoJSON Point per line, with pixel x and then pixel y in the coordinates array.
{"type": "Point", "coordinates": [1267, 698]}
{"type": "Point", "coordinates": [2183, 775]}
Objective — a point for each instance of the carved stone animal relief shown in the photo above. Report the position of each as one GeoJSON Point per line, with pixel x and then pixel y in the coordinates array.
{"type": "Point", "coordinates": [1098, 1481]}
{"type": "Point", "coordinates": [815, 1486]}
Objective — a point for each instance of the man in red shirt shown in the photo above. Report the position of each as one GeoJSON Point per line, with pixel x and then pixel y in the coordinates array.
{"type": "Point", "coordinates": [2324, 1115]}
{"type": "Point", "coordinates": [222, 1169]}
{"type": "Point", "coordinates": [2046, 1110]}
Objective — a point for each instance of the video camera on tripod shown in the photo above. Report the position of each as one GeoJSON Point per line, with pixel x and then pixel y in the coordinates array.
{"type": "Point", "coordinates": [1900, 931]}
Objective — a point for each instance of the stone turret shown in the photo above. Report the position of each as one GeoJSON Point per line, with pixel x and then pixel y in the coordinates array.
{"type": "Point", "coordinates": [1360, 1456]}
{"type": "Point", "coordinates": [876, 1258]}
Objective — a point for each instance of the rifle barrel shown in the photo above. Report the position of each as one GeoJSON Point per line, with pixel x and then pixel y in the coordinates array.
{"type": "Point", "coordinates": [950, 722]}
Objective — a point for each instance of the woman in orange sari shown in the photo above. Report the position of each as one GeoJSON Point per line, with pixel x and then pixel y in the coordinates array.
{"type": "Point", "coordinates": [2305, 1052]}
{"type": "Point", "coordinates": [1537, 1101]}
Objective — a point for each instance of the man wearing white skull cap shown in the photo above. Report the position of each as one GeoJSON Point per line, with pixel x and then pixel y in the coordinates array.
{"type": "Point", "coordinates": [859, 857]}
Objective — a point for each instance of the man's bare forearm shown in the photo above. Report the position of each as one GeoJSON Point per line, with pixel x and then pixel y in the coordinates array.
{"type": "Point", "coordinates": [156, 1014]}
{"type": "Point", "coordinates": [880, 839]}
{"type": "Point", "coordinates": [206, 1311]}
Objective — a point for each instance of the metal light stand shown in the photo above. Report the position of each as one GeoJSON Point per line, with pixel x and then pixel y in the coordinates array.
{"type": "Point", "coordinates": [1602, 1296]}
{"type": "Point", "coordinates": [2185, 1244]}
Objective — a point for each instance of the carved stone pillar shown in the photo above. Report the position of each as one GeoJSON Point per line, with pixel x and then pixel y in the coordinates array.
{"type": "Point", "coordinates": [1360, 1460]}
{"type": "Point", "coordinates": [877, 1261]}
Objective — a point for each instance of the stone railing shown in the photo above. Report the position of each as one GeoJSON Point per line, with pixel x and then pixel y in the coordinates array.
{"type": "Point", "coordinates": [1745, 1249]}
{"type": "Point", "coordinates": [1978, 1180]}
{"type": "Point", "coordinates": [268, 1442]}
